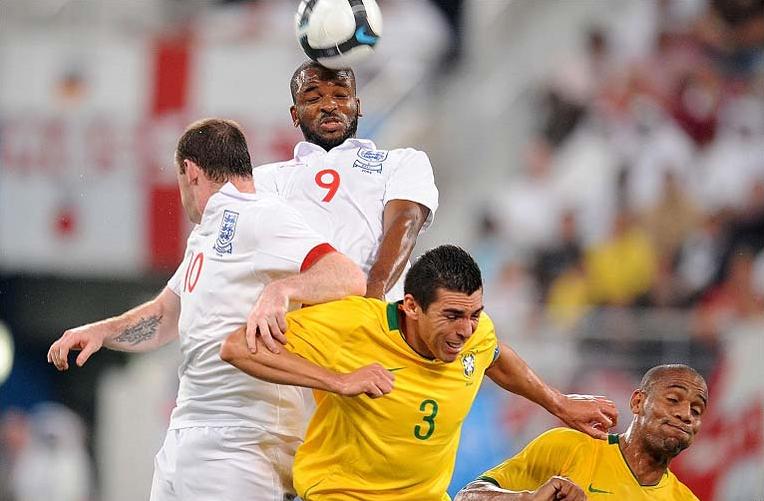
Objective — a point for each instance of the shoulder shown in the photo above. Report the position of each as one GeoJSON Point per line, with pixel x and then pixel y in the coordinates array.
{"type": "Point", "coordinates": [273, 166]}
{"type": "Point", "coordinates": [409, 156]}
{"type": "Point", "coordinates": [272, 214]}
{"type": "Point", "coordinates": [566, 442]}
{"type": "Point", "coordinates": [568, 436]}
{"type": "Point", "coordinates": [355, 310]}
{"type": "Point", "coordinates": [683, 493]}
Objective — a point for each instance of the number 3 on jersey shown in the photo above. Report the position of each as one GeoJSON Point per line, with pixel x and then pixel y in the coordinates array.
{"type": "Point", "coordinates": [430, 407]}
{"type": "Point", "coordinates": [328, 179]}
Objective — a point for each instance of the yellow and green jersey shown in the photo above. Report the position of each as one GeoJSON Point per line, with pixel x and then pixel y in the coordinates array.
{"type": "Point", "coordinates": [403, 445]}
{"type": "Point", "coordinates": [597, 466]}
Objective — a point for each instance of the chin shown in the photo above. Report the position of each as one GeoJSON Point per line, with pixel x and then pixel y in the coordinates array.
{"type": "Point", "coordinates": [448, 357]}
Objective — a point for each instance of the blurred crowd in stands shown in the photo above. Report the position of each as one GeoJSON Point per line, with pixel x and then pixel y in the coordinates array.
{"type": "Point", "coordinates": [644, 184]}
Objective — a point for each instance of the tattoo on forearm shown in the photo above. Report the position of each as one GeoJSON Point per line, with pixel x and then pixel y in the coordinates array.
{"type": "Point", "coordinates": [143, 330]}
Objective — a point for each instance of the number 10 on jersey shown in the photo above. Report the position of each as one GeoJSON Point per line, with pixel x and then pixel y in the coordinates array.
{"type": "Point", "coordinates": [328, 179]}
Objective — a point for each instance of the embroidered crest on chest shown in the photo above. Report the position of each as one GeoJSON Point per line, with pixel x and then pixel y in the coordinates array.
{"type": "Point", "coordinates": [370, 161]}
{"type": "Point", "coordinates": [224, 242]}
{"type": "Point", "coordinates": [468, 364]}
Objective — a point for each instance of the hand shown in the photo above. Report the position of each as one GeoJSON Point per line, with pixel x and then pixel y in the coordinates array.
{"type": "Point", "coordinates": [87, 338]}
{"type": "Point", "coordinates": [593, 415]}
{"type": "Point", "coordinates": [558, 488]}
{"type": "Point", "coordinates": [268, 319]}
{"type": "Point", "coordinates": [372, 380]}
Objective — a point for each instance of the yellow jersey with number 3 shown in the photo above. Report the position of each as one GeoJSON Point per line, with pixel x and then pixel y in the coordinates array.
{"type": "Point", "coordinates": [597, 466]}
{"type": "Point", "coordinates": [403, 445]}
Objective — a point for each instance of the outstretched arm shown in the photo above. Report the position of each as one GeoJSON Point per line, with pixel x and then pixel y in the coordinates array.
{"type": "Point", "coordinates": [144, 328]}
{"type": "Point", "coordinates": [287, 368]}
{"type": "Point", "coordinates": [402, 220]}
{"type": "Point", "coordinates": [556, 488]}
{"type": "Point", "coordinates": [333, 276]}
{"type": "Point", "coordinates": [593, 415]}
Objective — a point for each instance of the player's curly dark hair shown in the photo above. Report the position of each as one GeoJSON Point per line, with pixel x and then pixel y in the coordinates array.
{"type": "Point", "coordinates": [448, 267]}
{"type": "Point", "coordinates": [217, 146]}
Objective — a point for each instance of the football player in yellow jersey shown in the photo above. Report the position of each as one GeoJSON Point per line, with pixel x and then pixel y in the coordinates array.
{"type": "Point", "coordinates": [565, 464]}
{"type": "Point", "coordinates": [395, 381]}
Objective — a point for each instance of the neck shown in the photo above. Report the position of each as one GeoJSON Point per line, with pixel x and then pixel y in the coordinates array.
{"type": "Point", "coordinates": [409, 331]}
{"type": "Point", "coordinates": [242, 184]}
{"type": "Point", "coordinates": [647, 466]}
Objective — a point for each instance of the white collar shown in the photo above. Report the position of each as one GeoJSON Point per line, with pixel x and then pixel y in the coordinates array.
{"type": "Point", "coordinates": [304, 148]}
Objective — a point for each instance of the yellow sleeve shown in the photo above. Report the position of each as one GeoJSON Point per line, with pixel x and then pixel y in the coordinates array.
{"type": "Point", "coordinates": [489, 343]}
{"type": "Point", "coordinates": [317, 333]}
{"type": "Point", "coordinates": [547, 455]}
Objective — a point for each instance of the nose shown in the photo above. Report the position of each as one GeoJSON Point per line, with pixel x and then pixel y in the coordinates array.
{"type": "Point", "coordinates": [328, 104]}
{"type": "Point", "coordinates": [683, 412]}
{"type": "Point", "coordinates": [464, 328]}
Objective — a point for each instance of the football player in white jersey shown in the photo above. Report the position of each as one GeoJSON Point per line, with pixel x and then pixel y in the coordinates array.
{"type": "Point", "coordinates": [370, 204]}
{"type": "Point", "coordinates": [231, 437]}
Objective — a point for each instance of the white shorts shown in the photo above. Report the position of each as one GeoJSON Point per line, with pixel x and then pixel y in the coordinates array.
{"type": "Point", "coordinates": [224, 464]}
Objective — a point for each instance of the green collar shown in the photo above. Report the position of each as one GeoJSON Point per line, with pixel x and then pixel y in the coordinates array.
{"type": "Point", "coordinates": [392, 316]}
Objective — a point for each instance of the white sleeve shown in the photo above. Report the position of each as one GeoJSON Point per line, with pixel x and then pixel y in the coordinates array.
{"type": "Point", "coordinates": [413, 180]}
{"type": "Point", "coordinates": [175, 283]}
{"type": "Point", "coordinates": [284, 240]}
{"type": "Point", "coordinates": [266, 179]}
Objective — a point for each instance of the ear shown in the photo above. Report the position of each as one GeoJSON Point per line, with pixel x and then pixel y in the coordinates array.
{"type": "Point", "coordinates": [637, 401]}
{"type": "Point", "coordinates": [193, 172]}
{"type": "Point", "coordinates": [411, 308]}
{"type": "Point", "coordinates": [358, 105]}
{"type": "Point", "coordinates": [293, 112]}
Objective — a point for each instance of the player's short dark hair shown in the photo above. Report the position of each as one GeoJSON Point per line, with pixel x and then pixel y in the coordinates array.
{"type": "Point", "coordinates": [324, 72]}
{"type": "Point", "coordinates": [218, 147]}
{"type": "Point", "coordinates": [655, 374]}
{"type": "Point", "coordinates": [448, 267]}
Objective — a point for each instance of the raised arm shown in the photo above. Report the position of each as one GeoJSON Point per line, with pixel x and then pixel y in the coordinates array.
{"type": "Point", "coordinates": [333, 276]}
{"type": "Point", "coordinates": [593, 415]}
{"type": "Point", "coordinates": [287, 368]}
{"type": "Point", "coordinates": [144, 328]}
{"type": "Point", "coordinates": [402, 220]}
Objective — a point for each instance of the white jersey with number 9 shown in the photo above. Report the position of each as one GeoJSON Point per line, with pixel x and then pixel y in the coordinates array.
{"type": "Point", "coordinates": [342, 193]}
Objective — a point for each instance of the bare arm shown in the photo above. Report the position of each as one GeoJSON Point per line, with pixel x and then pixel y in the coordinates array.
{"type": "Point", "coordinates": [146, 327]}
{"type": "Point", "coordinates": [287, 368]}
{"type": "Point", "coordinates": [589, 414]}
{"type": "Point", "coordinates": [556, 488]}
{"type": "Point", "coordinates": [401, 221]}
{"type": "Point", "coordinates": [332, 277]}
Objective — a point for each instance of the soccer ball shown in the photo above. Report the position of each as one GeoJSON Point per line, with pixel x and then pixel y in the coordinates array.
{"type": "Point", "coordinates": [338, 33]}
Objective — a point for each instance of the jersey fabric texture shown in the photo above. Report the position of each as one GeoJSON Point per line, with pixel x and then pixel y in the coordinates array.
{"type": "Point", "coordinates": [597, 466]}
{"type": "Point", "coordinates": [342, 193]}
{"type": "Point", "coordinates": [403, 445]}
{"type": "Point", "coordinates": [243, 242]}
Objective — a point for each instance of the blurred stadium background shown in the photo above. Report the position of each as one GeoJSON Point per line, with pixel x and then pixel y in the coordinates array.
{"type": "Point", "coordinates": [603, 159]}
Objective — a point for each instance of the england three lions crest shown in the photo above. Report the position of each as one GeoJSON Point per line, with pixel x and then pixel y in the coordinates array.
{"type": "Point", "coordinates": [370, 161]}
{"type": "Point", "coordinates": [468, 363]}
{"type": "Point", "coordinates": [224, 242]}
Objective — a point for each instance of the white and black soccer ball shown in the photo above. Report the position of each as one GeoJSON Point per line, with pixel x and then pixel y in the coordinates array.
{"type": "Point", "coordinates": [338, 33]}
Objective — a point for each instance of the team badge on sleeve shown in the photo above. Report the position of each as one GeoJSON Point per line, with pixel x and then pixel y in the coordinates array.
{"type": "Point", "coordinates": [223, 244]}
{"type": "Point", "coordinates": [468, 362]}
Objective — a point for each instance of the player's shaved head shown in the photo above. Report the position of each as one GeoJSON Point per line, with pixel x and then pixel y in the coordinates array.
{"type": "Point", "coordinates": [323, 72]}
{"type": "Point", "coordinates": [448, 267]}
{"type": "Point", "coordinates": [658, 373]}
